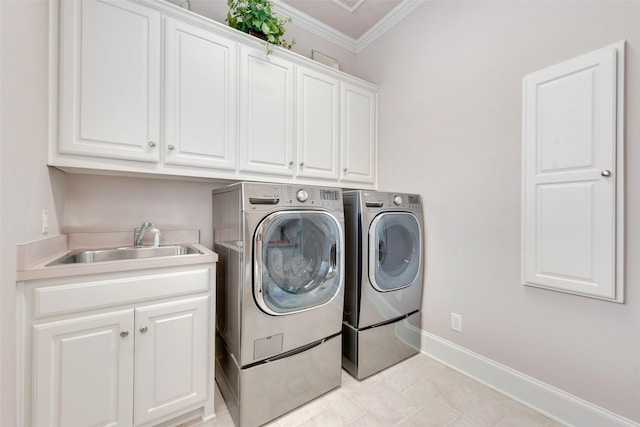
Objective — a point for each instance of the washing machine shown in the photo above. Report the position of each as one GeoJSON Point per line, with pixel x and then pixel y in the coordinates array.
{"type": "Point", "coordinates": [279, 297]}
{"type": "Point", "coordinates": [383, 279]}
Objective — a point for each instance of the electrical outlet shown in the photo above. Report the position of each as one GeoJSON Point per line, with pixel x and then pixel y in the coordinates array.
{"type": "Point", "coordinates": [456, 322]}
{"type": "Point", "coordinates": [45, 221]}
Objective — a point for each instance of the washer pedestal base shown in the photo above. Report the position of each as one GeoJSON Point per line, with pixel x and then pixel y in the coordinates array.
{"type": "Point", "coordinates": [262, 392]}
{"type": "Point", "coordinates": [370, 350]}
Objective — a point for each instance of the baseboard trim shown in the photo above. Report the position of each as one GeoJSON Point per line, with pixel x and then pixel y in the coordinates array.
{"type": "Point", "coordinates": [543, 398]}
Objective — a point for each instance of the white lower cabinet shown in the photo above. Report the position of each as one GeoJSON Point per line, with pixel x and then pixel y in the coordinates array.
{"type": "Point", "coordinates": [171, 357]}
{"type": "Point", "coordinates": [101, 360]}
{"type": "Point", "coordinates": [83, 371]}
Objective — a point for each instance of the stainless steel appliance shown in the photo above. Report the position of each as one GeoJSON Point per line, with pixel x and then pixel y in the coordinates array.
{"type": "Point", "coordinates": [280, 294]}
{"type": "Point", "coordinates": [383, 280]}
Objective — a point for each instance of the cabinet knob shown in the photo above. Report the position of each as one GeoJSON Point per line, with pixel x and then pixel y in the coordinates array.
{"type": "Point", "coordinates": [301, 164]}
{"type": "Point", "coordinates": [606, 173]}
{"type": "Point", "coordinates": [124, 333]}
{"type": "Point", "coordinates": [171, 147]}
{"type": "Point", "coordinates": [291, 163]}
{"type": "Point", "coordinates": [152, 144]}
{"type": "Point", "coordinates": [143, 329]}
{"type": "Point", "coordinates": [344, 170]}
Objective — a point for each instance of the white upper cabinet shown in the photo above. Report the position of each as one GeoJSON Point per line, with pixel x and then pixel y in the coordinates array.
{"type": "Point", "coordinates": [359, 134]}
{"type": "Point", "coordinates": [200, 87]}
{"type": "Point", "coordinates": [318, 125]}
{"type": "Point", "coordinates": [266, 113]}
{"type": "Point", "coordinates": [572, 198]}
{"type": "Point", "coordinates": [110, 80]}
{"type": "Point", "coordinates": [146, 87]}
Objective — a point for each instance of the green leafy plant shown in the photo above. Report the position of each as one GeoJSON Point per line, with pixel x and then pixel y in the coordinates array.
{"type": "Point", "coordinates": [255, 17]}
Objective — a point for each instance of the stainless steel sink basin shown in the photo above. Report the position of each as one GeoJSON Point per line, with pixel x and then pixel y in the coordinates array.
{"type": "Point", "coordinates": [124, 253]}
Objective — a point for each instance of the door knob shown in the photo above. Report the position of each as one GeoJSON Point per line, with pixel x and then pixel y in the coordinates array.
{"type": "Point", "coordinates": [124, 333]}
{"type": "Point", "coordinates": [605, 173]}
{"type": "Point", "coordinates": [152, 144]}
{"type": "Point", "coordinates": [143, 329]}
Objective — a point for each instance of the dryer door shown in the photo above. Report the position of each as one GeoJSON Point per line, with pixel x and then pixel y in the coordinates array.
{"type": "Point", "coordinates": [297, 261]}
{"type": "Point", "coordinates": [395, 250]}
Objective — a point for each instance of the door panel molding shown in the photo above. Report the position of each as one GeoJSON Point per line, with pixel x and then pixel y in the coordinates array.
{"type": "Point", "coordinates": [573, 177]}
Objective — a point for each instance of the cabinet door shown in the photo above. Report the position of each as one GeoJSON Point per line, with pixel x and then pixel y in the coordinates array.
{"type": "Point", "coordinates": [83, 371]}
{"type": "Point", "coordinates": [573, 234]}
{"type": "Point", "coordinates": [172, 360]}
{"type": "Point", "coordinates": [200, 97]}
{"type": "Point", "coordinates": [359, 134]}
{"type": "Point", "coordinates": [317, 119]}
{"type": "Point", "coordinates": [110, 79]}
{"type": "Point", "coordinates": [266, 113]}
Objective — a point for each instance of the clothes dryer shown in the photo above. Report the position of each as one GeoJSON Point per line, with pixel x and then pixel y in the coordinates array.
{"type": "Point", "coordinates": [280, 294]}
{"type": "Point", "coordinates": [383, 279]}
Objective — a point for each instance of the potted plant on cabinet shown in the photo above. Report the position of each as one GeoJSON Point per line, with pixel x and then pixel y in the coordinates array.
{"type": "Point", "coordinates": [256, 17]}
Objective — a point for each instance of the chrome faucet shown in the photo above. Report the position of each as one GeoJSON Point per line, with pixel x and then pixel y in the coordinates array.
{"type": "Point", "coordinates": [138, 234]}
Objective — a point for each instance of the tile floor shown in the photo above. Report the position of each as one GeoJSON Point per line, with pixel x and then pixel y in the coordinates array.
{"type": "Point", "coordinates": [416, 392]}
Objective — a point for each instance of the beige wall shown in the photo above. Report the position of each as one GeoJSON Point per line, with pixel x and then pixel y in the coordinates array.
{"type": "Point", "coordinates": [450, 129]}
{"type": "Point", "coordinates": [26, 185]}
{"type": "Point", "coordinates": [110, 203]}
{"type": "Point", "coordinates": [450, 77]}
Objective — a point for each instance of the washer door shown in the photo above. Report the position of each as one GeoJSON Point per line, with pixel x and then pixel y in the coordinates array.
{"type": "Point", "coordinates": [395, 250]}
{"type": "Point", "coordinates": [297, 261]}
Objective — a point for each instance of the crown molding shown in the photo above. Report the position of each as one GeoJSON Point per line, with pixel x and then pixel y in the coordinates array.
{"type": "Point", "coordinates": [332, 35]}
{"type": "Point", "coordinates": [389, 20]}
{"type": "Point", "coordinates": [314, 26]}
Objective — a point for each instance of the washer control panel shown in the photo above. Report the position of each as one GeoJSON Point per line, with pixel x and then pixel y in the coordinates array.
{"type": "Point", "coordinates": [302, 195]}
{"type": "Point", "coordinates": [266, 197]}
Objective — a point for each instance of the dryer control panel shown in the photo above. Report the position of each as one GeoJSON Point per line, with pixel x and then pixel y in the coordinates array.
{"type": "Point", "coordinates": [378, 200]}
{"type": "Point", "coordinates": [313, 196]}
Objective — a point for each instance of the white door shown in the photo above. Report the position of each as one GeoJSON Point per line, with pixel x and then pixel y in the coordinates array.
{"type": "Point", "coordinates": [110, 80]}
{"type": "Point", "coordinates": [572, 166]}
{"type": "Point", "coordinates": [171, 366]}
{"type": "Point", "coordinates": [359, 138]}
{"type": "Point", "coordinates": [83, 372]}
{"type": "Point", "coordinates": [266, 113]}
{"type": "Point", "coordinates": [200, 97]}
{"type": "Point", "coordinates": [317, 122]}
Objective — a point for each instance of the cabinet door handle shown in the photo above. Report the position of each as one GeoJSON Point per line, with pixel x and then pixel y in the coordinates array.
{"type": "Point", "coordinates": [124, 333]}
{"type": "Point", "coordinates": [301, 164]}
{"type": "Point", "coordinates": [291, 163]}
{"type": "Point", "coordinates": [171, 147]}
{"type": "Point", "coordinates": [152, 144]}
{"type": "Point", "coordinates": [606, 173]}
{"type": "Point", "coordinates": [143, 329]}
{"type": "Point", "coordinates": [344, 170]}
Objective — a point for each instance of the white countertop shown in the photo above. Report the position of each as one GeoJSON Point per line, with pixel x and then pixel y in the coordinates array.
{"type": "Point", "coordinates": [34, 256]}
